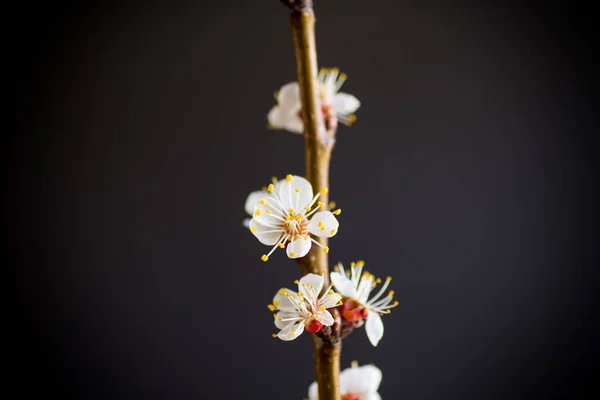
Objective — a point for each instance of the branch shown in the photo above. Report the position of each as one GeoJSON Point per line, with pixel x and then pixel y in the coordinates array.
{"type": "Point", "coordinates": [318, 144]}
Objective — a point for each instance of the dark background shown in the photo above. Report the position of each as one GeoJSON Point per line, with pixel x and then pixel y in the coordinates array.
{"type": "Point", "coordinates": [469, 177]}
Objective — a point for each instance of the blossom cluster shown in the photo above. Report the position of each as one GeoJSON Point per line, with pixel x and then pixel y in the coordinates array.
{"type": "Point", "coordinates": [288, 214]}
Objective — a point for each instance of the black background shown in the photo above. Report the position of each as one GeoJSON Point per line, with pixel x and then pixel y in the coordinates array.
{"type": "Point", "coordinates": [469, 177]}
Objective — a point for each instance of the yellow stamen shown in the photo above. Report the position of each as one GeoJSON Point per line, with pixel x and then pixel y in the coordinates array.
{"type": "Point", "coordinates": [352, 264]}
{"type": "Point", "coordinates": [308, 209]}
{"type": "Point", "coordinates": [273, 179]}
{"type": "Point", "coordinates": [263, 201]}
{"type": "Point", "coordinates": [281, 246]}
{"type": "Point", "coordinates": [391, 294]}
{"type": "Point", "coordinates": [331, 291]}
{"type": "Point", "coordinates": [271, 307]}
{"type": "Point", "coordinates": [332, 204]}
{"type": "Point", "coordinates": [292, 254]}
{"type": "Point", "coordinates": [324, 191]}
{"type": "Point", "coordinates": [296, 281]}
{"type": "Point", "coordinates": [326, 249]}
{"type": "Point", "coordinates": [253, 228]}
{"type": "Point", "coordinates": [332, 231]}
{"type": "Point", "coordinates": [396, 303]}
{"type": "Point", "coordinates": [360, 263]}
{"type": "Point", "coordinates": [257, 212]}
{"type": "Point", "coordinates": [264, 257]}
{"type": "Point", "coordinates": [274, 335]}
{"type": "Point", "coordinates": [288, 178]}
{"type": "Point", "coordinates": [297, 190]}
{"type": "Point", "coordinates": [268, 211]}
{"type": "Point", "coordinates": [321, 204]}
{"type": "Point", "coordinates": [338, 211]}
{"type": "Point", "coordinates": [291, 210]}
{"type": "Point", "coordinates": [276, 303]}
{"type": "Point", "coordinates": [322, 308]}
{"type": "Point", "coordinates": [270, 187]}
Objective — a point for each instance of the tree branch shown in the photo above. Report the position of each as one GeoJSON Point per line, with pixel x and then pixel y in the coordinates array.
{"type": "Point", "coordinates": [318, 144]}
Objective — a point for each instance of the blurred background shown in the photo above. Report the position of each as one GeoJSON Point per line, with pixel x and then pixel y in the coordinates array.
{"type": "Point", "coordinates": [469, 177]}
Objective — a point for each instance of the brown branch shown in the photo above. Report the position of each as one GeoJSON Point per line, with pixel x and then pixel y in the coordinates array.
{"type": "Point", "coordinates": [318, 144]}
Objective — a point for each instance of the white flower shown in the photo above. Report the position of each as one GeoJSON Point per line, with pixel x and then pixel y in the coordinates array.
{"type": "Point", "coordinates": [285, 214]}
{"type": "Point", "coordinates": [304, 309]}
{"type": "Point", "coordinates": [356, 383]}
{"type": "Point", "coordinates": [356, 286]}
{"type": "Point", "coordinates": [335, 105]}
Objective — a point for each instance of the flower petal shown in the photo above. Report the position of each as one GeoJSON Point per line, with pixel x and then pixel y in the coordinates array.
{"type": "Point", "coordinates": [325, 318]}
{"type": "Point", "coordinates": [265, 234]}
{"type": "Point", "coordinates": [246, 222]}
{"type": "Point", "coordinates": [282, 302]}
{"type": "Point", "coordinates": [374, 327]}
{"type": "Point", "coordinates": [281, 118]}
{"type": "Point", "coordinates": [313, 391]}
{"type": "Point", "coordinates": [344, 103]}
{"type": "Point", "coordinates": [330, 300]}
{"type": "Point", "coordinates": [289, 96]}
{"type": "Point", "coordinates": [291, 198]}
{"type": "Point", "coordinates": [268, 214]}
{"type": "Point", "coordinates": [294, 124]}
{"type": "Point", "coordinates": [328, 228]}
{"type": "Point", "coordinates": [343, 284]}
{"type": "Point", "coordinates": [291, 332]}
{"type": "Point", "coordinates": [299, 247]}
{"type": "Point", "coordinates": [311, 279]}
{"type": "Point", "coordinates": [285, 315]}
{"type": "Point", "coordinates": [364, 380]}
{"type": "Point", "coordinates": [252, 199]}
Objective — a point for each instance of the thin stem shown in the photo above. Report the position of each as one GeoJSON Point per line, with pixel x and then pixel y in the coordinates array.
{"type": "Point", "coordinates": [318, 144]}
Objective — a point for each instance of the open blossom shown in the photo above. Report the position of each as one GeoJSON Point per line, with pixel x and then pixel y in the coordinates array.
{"type": "Point", "coordinates": [297, 311]}
{"type": "Point", "coordinates": [335, 105]}
{"type": "Point", "coordinates": [356, 383]}
{"type": "Point", "coordinates": [356, 286]}
{"type": "Point", "coordinates": [286, 214]}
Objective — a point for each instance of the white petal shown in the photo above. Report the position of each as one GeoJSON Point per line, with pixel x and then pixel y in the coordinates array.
{"type": "Point", "coordinates": [252, 199]}
{"type": "Point", "coordinates": [278, 117]}
{"type": "Point", "coordinates": [289, 95]}
{"type": "Point", "coordinates": [268, 215]}
{"type": "Point", "coordinates": [285, 315]}
{"type": "Point", "coordinates": [311, 279]}
{"type": "Point", "coordinates": [246, 222]}
{"type": "Point", "coordinates": [299, 247]}
{"type": "Point", "coordinates": [330, 224]}
{"type": "Point", "coordinates": [343, 284]}
{"type": "Point", "coordinates": [365, 379]}
{"type": "Point", "coordinates": [294, 123]}
{"type": "Point", "coordinates": [330, 300]}
{"type": "Point", "coordinates": [374, 327]}
{"type": "Point", "coordinates": [293, 199]}
{"type": "Point", "coordinates": [313, 391]}
{"type": "Point", "coordinates": [265, 234]}
{"type": "Point", "coordinates": [344, 103]}
{"type": "Point", "coordinates": [288, 119]}
{"type": "Point", "coordinates": [282, 302]}
{"type": "Point", "coordinates": [291, 332]}
{"type": "Point", "coordinates": [325, 318]}
{"type": "Point", "coordinates": [371, 396]}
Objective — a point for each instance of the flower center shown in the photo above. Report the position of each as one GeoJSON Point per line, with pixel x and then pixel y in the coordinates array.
{"type": "Point", "coordinates": [295, 224]}
{"type": "Point", "coordinates": [350, 396]}
{"type": "Point", "coordinates": [352, 310]}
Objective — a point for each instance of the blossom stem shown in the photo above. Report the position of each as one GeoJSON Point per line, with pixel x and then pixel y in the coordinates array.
{"type": "Point", "coordinates": [318, 144]}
